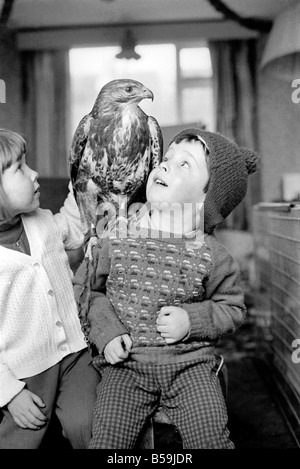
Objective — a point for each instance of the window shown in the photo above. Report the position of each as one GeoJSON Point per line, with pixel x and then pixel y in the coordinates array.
{"type": "Point", "coordinates": [180, 78]}
{"type": "Point", "coordinates": [194, 83]}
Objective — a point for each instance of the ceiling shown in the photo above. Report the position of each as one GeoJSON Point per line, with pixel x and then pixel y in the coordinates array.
{"type": "Point", "coordinates": [37, 14]}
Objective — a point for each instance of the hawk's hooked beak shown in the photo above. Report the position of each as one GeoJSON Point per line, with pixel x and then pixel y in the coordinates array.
{"type": "Point", "coordinates": [147, 94]}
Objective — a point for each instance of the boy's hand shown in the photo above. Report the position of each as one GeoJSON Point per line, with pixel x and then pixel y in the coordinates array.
{"type": "Point", "coordinates": [118, 349]}
{"type": "Point", "coordinates": [25, 410]}
{"type": "Point", "coordinates": [173, 323]}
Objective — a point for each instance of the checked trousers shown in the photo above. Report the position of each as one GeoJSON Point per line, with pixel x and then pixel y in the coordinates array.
{"type": "Point", "coordinates": [189, 392]}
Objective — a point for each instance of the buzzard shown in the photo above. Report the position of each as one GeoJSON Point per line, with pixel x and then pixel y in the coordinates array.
{"type": "Point", "coordinates": [113, 150]}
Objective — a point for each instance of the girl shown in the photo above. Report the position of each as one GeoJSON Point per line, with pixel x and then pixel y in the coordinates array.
{"type": "Point", "coordinates": [44, 364]}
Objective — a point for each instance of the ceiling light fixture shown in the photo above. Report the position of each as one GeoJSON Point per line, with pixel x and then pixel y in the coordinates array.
{"type": "Point", "coordinates": [128, 47]}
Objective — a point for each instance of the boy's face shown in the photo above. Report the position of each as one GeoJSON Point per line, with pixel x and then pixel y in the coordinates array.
{"type": "Point", "coordinates": [21, 188]}
{"type": "Point", "coordinates": [182, 175]}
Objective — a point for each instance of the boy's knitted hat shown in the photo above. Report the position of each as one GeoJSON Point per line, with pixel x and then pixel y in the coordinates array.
{"type": "Point", "coordinates": [229, 166]}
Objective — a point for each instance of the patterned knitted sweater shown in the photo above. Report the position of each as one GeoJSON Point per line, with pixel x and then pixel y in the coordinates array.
{"type": "Point", "coordinates": [146, 274]}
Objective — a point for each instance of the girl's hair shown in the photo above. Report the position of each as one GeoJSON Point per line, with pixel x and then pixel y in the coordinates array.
{"type": "Point", "coordinates": [12, 147]}
{"type": "Point", "coordinates": [190, 137]}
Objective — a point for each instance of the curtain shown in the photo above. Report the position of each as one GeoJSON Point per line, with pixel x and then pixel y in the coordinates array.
{"type": "Point", "coordinates": [234, 66]}
{"type": "Point", "coordinates": [46, 106]}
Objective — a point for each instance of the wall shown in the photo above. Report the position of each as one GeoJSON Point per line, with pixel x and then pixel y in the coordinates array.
{"type": "Point", "coordinates": [279, 124]}
{"type": "Point", "coordinates": [10, 72]}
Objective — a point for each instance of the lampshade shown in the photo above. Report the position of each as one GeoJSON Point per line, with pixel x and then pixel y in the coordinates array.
{"type": "Point", "coordinates": [284, 37]}
{"type": "Point", "coordinates": [128, 47]}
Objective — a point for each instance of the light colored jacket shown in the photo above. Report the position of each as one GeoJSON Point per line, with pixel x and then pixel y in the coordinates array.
{"type": "Point", "coordinates": [39, 322]}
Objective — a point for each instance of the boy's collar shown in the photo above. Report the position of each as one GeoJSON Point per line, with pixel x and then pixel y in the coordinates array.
{"type": "Point", "coordinates": [190, 234]}
{"type": "Point", "coordinates": [144, 221]}
{"type": "Point", "coordinates": [144, 230]}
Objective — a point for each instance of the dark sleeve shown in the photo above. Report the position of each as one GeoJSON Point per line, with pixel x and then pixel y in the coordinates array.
{"type": "Point", "coordinates": [104, 322]}
{"type": "Point", "coordinates": [223, 309]}
{"type": "Point", "coordinates": [79, 280]}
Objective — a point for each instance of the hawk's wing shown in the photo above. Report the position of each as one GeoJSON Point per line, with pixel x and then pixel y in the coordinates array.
{"type": "Point", "coordinates": [84, 189]}
{"type": "Point", "coordinates": [156, 143]}
{"type": "Point", "coordinates": [78, 146]}
{"type": "Point", "coordinates": [155, 155]}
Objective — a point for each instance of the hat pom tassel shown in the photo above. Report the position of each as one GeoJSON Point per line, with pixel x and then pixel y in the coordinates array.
{"type": "Point", "coordinates": [251, 159]}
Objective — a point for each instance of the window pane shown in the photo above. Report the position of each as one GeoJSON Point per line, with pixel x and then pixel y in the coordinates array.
{"type": "Point", "coordinates": [197, 106]}
{"type": "Point", "coordinates": [195, 62]}
{"type": "Point", "coordinates": [91, 68]}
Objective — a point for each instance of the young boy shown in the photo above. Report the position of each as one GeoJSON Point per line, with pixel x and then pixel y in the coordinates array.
{"type": "Point", "coordinates": [171, 292]}
{"type": "Point", "coordinates": [44, 363]}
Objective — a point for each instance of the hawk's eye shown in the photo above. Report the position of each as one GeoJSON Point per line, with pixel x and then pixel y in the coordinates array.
{"type": "Point", "coordinates": [129, 89]}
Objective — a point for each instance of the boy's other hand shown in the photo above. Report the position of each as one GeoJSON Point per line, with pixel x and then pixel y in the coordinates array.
{"type": "Point", "coordinates": [173, 323]}
{"type": "Point", "coordinates": [25, 409]}
{"type": "Point", "coordinates": [118, 349]}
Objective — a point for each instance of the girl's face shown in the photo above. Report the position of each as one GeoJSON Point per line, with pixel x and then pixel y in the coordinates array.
{"type": "Point", "coordinates": [21, 188]}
